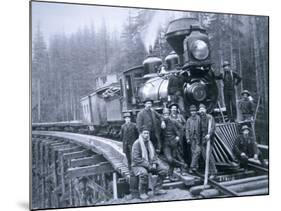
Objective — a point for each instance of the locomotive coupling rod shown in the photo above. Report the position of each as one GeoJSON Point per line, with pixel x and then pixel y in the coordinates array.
{"type": "Point", "coordinates": [218, 186]}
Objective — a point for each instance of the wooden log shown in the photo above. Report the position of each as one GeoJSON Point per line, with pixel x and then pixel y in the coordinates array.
{"type": "Point", "coordinates": [115, 195]}
{"type": "Point", "coordinates": [237, 188]}
{"type": "Point", "coordinates": [95, 186]}
{"type": "Point", "coordinates": [197, 189]}
{"type": "Point", "coordinates": [86, 161]}
{"type": "Point", "coordinates": [61, 163]}
{"type": "Point", "coordinates": [77, 154]}
{"type": "Point", "coordinates": [104, 167]}
{"type": "Point", "coordinates": [261, 191]}
{"type": "Point", "coordinates": [41, 172]}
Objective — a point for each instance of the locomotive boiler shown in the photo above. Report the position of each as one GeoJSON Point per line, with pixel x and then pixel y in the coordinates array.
{"type": "Point", "coordinates": [186, 77]}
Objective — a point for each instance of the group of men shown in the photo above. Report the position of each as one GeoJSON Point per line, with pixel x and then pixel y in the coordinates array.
{"type": "Point", "coordinates": [155, 135]}
{"type": "Point", "coordinates": [245, 146]}
{"type": "Point", "coordinates": [245, 105]}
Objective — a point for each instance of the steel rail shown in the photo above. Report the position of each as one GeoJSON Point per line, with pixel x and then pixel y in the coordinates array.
{"type": "Point", "coordinates": [218, 186]}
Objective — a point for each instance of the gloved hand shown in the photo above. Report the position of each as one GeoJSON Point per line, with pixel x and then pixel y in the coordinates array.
{"type": "Point", "coordinates": [187, 141]}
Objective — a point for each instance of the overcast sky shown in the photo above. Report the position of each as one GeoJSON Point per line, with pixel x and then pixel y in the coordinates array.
{"type": "Point", "coordinates": [68, 18]}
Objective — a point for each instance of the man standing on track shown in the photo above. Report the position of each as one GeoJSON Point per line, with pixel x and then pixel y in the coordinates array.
{"type": "Point", "coordinates": [207, 130]}
{"type": "Point", "coordinates": [128, 135]}
{"type": "Point", "coordinates": [149, 118]}
{"type": "Point", "coordinates": [171, 135]}
{"type": "Point", "coordinates": [192, 133]}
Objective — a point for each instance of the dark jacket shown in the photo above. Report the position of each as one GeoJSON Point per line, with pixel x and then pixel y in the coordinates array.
{"type": "Point", "coordinates": [229, 81]}
{"type": "Point", "coordinates": [246, 106]}
{"type": "Point", "coordinates": [192, 128]}
{"type": "Point", "coordinates": [179, 118]}
{"type": "Point", "coordinates": [246, 145]}
{"type": "Point", "coordinates": [175, 85]}
{"type": "Point", "coordinates": [128, 135]}
{"type": "Point", "coordinates": [152, 120]}
{"type": "Point", "coordinates": [204, 126]}
{"type": "Point", "coordinates": [172, 130]}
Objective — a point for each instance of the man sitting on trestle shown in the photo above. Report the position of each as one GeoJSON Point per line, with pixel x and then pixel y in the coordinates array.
{"type": "Point", "coordinates": [145, 161]}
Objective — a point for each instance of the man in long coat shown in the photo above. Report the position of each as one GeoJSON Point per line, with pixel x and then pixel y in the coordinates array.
{"type": "Point", "coordinates": [192, 133]}
{"type": "Point", "coordinates": [128, 135]}
{"type": "Point", "coordinates": [145, 161]}
{"type": "Point", "coordinates": [149, 118]}
{"type": "Point", "coordinates": [207, 132]}
{"type": "Point", "coordinates": [230, 80]}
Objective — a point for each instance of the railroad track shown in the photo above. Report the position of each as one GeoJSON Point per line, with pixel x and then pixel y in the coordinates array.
{"type": "Point", "coordinates": [70, 169]}
{"type": "Point", "coordinates": [252, 185]}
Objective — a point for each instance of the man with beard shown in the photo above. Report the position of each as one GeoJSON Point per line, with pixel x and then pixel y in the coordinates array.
{"type": "Point", "coordinates": [207, 130]}
{"type": "Point", "coordinates": [145, 161]}
{"type": "Point", "coordinates": [192, 133]}
{"type": "Point", "coordinates": [149, 118]}
{"type": "Point", "coordinates": [178, 117]}
{"type": "Point", "coordinates": [171, 135]}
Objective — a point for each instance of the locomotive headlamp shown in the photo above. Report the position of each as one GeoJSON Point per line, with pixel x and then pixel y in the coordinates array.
{"type": "Point", "coordinates": [199, 49]}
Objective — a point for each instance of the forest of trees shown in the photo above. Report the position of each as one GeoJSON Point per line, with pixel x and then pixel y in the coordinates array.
{"type": "Point", "coordinates": [65, 70]}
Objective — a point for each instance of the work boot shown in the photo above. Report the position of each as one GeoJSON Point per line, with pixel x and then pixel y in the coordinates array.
{"type": "Point", "coordinates": [160, 192]}
{"type": "Point", "coordinates": [143, 187]}
{"type": "Point", "coordinates": [192, 170]}
{"type": "Point", "coordinates": [144, 196]}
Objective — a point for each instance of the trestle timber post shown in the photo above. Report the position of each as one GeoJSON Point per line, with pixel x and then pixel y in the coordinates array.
{"type": "Point", "coordinates": [59, 165]}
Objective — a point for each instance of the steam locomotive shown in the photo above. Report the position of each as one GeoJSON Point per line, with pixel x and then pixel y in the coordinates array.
{"type": "Point", "coordinates": [185, 78]}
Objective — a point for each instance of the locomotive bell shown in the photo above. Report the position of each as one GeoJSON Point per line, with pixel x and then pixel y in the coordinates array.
{"type": "Point", "coordinates": [151, 63]}
{"type": "Point", "coordinates": [172, 60]}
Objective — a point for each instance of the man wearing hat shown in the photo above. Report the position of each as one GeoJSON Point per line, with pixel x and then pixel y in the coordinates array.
{"type": "Point", "coordinates": [171, 141]}
{"type": "Point", "coordinates": [128, 135]}
{"type": "Point", "coordinates": [192, 133]}
{"type": "Point", "coordinates": [245, 147]}
{"type": "Point", "coordinates": [149, 118]}
{"type": "Point", "coordinates": [207, 131]}
{"type": "Point", "coordinates": [230, 80]}
{"type": "Point", "coordinates": [175, 115]}
{"type": "Point", "coordinates": [144, 161]}
{"type": "Point", "coordinates": [246, 106]}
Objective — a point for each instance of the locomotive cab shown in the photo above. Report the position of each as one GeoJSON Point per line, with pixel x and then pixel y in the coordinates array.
{"type": "Point", "coordinates": [130, 81]}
